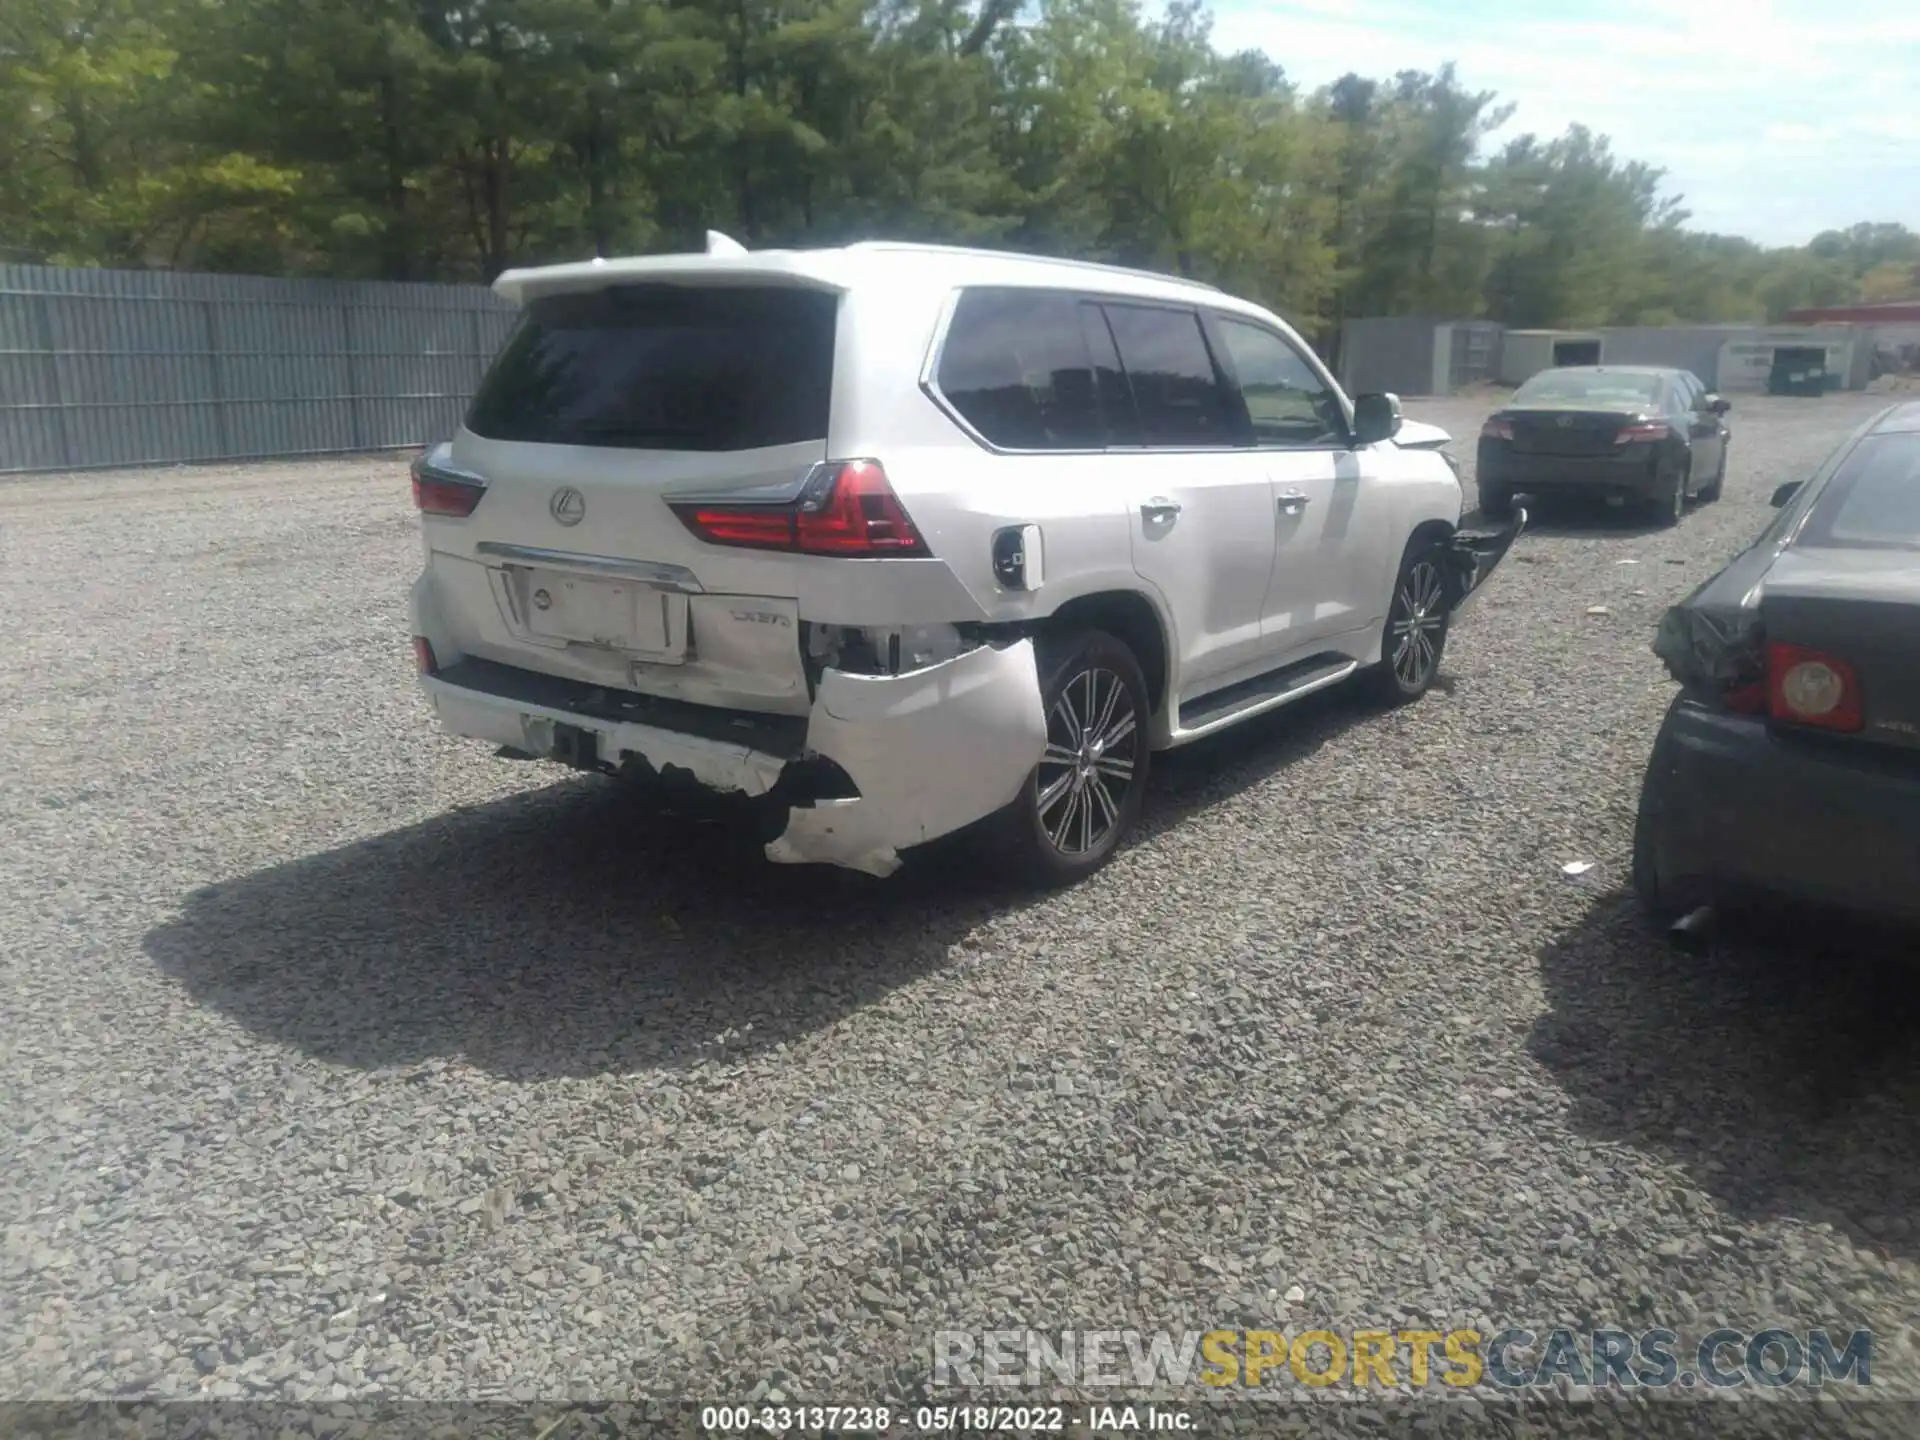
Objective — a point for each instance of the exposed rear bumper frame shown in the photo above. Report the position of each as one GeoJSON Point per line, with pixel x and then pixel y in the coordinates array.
{"type": "Point", "coordinates": [881, 763]}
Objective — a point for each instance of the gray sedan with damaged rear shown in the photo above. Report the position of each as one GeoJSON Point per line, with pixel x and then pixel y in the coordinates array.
{"type": "Point", "coordinates": [1789, 763]}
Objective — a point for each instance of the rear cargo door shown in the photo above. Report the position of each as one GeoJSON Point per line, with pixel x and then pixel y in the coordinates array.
{"type": "Point", "coordinates": [629, 394]}
{"type": "Point", "coordinates": [605, 403]}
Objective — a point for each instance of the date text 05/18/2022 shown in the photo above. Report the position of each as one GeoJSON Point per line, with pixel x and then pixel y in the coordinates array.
{"type": "Point", "coordinates": [942, 1419]}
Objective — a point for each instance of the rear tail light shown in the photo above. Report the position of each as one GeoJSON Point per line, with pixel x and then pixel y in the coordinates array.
{"type": "Point", "coordinates": [1807, 687]}
{"type": "Point", "coordinates": [1643, 431]}
{"type": "Point", "coordinates": [423, 656]}
{"type": "Point", "coordinates": [846, 508]}
{"type": "Point", "coordinates": [1497, 429]}
{"type": "Point", "coordinates": [438, 490]}
{"type": "Point", "coordinates": [1724, 652]}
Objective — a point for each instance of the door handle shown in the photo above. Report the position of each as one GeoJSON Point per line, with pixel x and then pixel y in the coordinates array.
{"type": "Point", "coordinates": [1159, 509]}
{"type": "Point", "coordinates": [1293, 502]}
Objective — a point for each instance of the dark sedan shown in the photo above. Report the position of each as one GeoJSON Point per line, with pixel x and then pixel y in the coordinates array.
{"type": "Point", "coordinates": [1632, 434]}
{"type": "Point", "coordinates": [1789, 764]}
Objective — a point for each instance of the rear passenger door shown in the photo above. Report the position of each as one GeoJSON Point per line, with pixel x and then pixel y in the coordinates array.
{"type": "Point", "coordinates": [1328, 513]}
{"type": "Point", "coordinates": [1201, 503]}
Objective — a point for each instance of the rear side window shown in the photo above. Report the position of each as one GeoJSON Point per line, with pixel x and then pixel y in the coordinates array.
{"type": "Point", "coordinates": [1015, 365]}
{"type": "Point", "coordinates": [665, 367]}
{"type": "Point", "coordinates": [1873, 500]}
{"type": "Point", "coordinates": [1177, 394]}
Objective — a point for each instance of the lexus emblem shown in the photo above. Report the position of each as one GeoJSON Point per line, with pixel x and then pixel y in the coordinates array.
{"type": "Point", "coordinates": [568, 506]}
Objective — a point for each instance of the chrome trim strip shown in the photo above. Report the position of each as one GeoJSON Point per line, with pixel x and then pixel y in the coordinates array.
{"type": "Point", "coordinates": [647, 572]}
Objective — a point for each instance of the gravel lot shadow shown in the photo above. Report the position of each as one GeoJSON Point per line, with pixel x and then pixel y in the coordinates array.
{"type": "Point", "coordinates": [565, 931]}
{"type": "Point", "coordinates": [573, 930]}
{"type": "Point", "coordinates": [1587, 517]}
{"type": "Point", "coordinates": [1781, 1069]}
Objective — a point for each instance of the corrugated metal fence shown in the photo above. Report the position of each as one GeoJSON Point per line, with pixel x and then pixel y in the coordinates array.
{"type": "Point", "coordinates": [122, 367]}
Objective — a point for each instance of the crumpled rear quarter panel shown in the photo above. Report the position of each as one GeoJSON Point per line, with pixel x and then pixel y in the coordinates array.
{"type": "Point", "coordinates": [931, 752]}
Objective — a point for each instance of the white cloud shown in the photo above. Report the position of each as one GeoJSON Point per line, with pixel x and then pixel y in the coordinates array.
{"type": "Point", "coordinates": [1773, 118]}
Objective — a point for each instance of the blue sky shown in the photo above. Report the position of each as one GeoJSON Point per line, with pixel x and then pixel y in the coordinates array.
{"type": "Point", "coordinates": [1774, 119]}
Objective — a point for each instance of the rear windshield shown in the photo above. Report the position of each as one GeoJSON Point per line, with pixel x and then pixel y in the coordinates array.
{"type": "Point", "coordinates": [1873, 500]}
{"type": "Point", "coordinates": [665, 367]}
{"type": "Point", "coordinates": [1588, 388]}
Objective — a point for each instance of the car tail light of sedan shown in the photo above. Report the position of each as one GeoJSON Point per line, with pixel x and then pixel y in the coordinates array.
{"type": "Point", "coordinates": [1808, 687]}
{"type": "Point", "coordinates": [1497, 429]}
{"type": "Point", "coordinates": [1723, 652]}
{"type": "Point", "coordinates": [1641, 431]}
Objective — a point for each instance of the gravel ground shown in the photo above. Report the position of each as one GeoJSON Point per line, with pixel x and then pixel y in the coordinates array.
{"type": "Point", "coordinates": [340, 1058]}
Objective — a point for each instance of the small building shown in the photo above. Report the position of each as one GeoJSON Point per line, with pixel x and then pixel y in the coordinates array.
{"type": "Point", "coordinates": [1694, 348]}
{"type": "Point", "coordinates": [1413, 355]}
{"type": "Point", "coordinates": [1889, 334]}
{"type": "Point", "coordinates": [1525, 353]}
{"type": "Point", "coordinates": [1734, 358]}
{"type": "Point", "coordinates": [1745, 363]}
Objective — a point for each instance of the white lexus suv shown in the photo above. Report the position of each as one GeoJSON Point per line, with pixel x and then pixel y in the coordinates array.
{"type": "Point", "coordinates": [896, 540]}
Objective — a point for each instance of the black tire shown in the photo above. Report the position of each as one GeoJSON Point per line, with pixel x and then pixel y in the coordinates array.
{"type": "Point", "coordinates": [1669, 504]}
{"type": "Point", "coordinates": [1414, 638]}
{"type": "Point", "coordinates": [1495, 503]}
{"type": "Point", "coordinates": [1067, 822]}
{"type": "Point", "coordinates": [1710, 492]}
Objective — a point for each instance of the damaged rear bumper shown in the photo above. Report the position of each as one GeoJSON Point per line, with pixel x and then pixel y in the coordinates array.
{"type": "Point", "coordinates": [1732, 809]}
{"type": "Point", "coordinates": [926, 753]}
{"type": "Point", "coordinates": [1473, 555]}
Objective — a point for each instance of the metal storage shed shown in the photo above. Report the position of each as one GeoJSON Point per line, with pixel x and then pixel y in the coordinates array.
{"type": "Point", "coordinates": [1525, 353]}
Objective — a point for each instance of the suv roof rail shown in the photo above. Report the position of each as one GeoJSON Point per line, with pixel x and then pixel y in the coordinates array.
{"type": "Point", "coordinates": [983, 253]}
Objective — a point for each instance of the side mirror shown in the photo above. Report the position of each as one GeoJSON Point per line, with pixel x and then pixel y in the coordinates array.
{"type": "Point", "coordinates": [1717, 406]}
{"type": "Point", "coordinates": [1784, 495]}
{"type": "Point", "coordinates": [1375, 417]}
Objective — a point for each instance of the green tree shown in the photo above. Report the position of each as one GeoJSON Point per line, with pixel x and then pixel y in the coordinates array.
{"type": "Point", "coordinates": [96, 165]}
{"type": "Point", "coordinates": [417, 141]}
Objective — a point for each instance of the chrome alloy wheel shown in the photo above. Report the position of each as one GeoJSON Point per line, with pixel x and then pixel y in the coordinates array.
{"type": "Point", "coordinates": [1419, 621]}
{"type": "Point", "coordinates": [1087, 769]}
